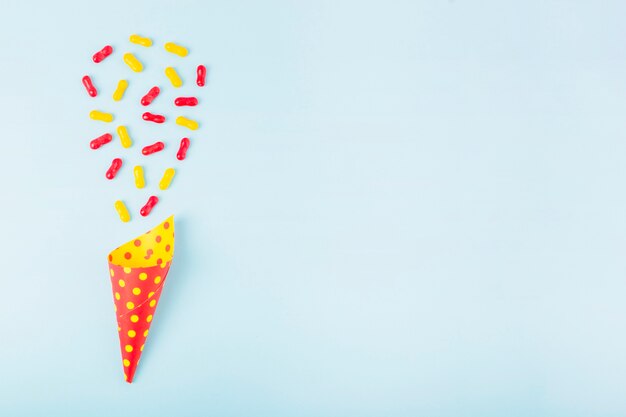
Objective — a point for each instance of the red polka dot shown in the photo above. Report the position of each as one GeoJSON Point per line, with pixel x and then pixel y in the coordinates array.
{"type": "Point", "coordinates": [158, 239]}
{"type": "Point", "coordinates": [167, 248]}
{"type": "Point", "coordinates": [137, 242]}
{"type": "Point", "coordinates": [127, 255]}
{"type": "Point", "coordinates": [159, 261]}
{"type": "Point", "coordinates": [110, 258]}
{"type": "Point", "coordinates": [166, 225]}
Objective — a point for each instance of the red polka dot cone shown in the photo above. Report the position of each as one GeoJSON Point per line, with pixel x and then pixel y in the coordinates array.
{"type": "Point", "coordinates": [138, 271]}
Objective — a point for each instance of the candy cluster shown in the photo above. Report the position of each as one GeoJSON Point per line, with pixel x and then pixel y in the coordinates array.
{"type": "Point", "coordinates": [176, 81]}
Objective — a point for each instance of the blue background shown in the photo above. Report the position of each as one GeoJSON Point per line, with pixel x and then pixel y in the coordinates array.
{"type": "Point", "coordinates": [392, 208]}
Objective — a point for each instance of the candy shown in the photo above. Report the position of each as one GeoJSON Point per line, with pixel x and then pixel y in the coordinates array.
{"type": "Point", "coordinates": [100, 115]}
{"type": "Point", "coordinates": [168, 175]}
{"type": "Point", "coordinates": [122, 132]}
{"type": "Point", "coordinates": [150, 96]}
{"type": "Point", "coordinates": [188, 123]}
{"type": "Point", "coordinates": [122, 85]}
{"type": "Point", "coordinates": [145, 210]}
{"type": "Point", "coordinates": [140, 40]}
{"type": "Point", "coordinates": [100, 140]}
{"type": "Point", "coordinates": [173, 76]}
{"type": "Point", "coordinates": [116, 164]}
{"type": "Point", "coordinates": [133, 62]}
{"type": "Point", "coordinates": [156, 118]}
{"type": "Point", "coordinates": [186, 101]}
{"type": "Point", "coordinates": [103, 53]}
{"type": "Point", "coordinates": [91, 90]}
{"type": "Point", "coordinates": [176, 49]}
{"type": "Point", "coordinates": [201, 75]}
{"type": "Point", "coordinates": [140, 182]}
{"type": "Point", "coordinates": [155, 147]}
{"type": "Point", "coordinates": [122, 211]}
{"type": "Point", "coordinates": [182, 151]}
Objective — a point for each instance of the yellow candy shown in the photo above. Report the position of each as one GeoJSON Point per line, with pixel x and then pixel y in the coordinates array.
{"type": "Point", "coordinates": [168, 175]}
{"type": "Point", "coordinates": [140, 40]}
{"type": "Point", "coordinates": [132, 61]}
{"type": "Point", "coordinates": [102, 116]}
{"type": "Point", "coordinates": [176, 49]}
{"type": "Point", "coordinates": [122, 85]}
{"type": "Point", "coordinates": [124, 136]}
{"type": "Point", "coordinates": [122, 211]}
{"type": "Point", "coordinates": [188, 123]}
{"type": "Point", "coordinates": [140, 182]}
{"type": "Point", "coordinates": [173, 76]}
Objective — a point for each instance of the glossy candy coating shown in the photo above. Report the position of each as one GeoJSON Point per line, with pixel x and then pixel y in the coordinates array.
{"type": "Point", "coordinates": [176, 49]}
{"type": "Point", "coordinates": [182, 151]}
{"type": "Point", "coordinates": [155, 147]}
{"type": "Point", "coordinates": [201, 75]}
{"type": "Point", "coordinates": [116, 164]}
{"type": "Point", "coordinates": [100, 140]}
{"type": "Point", "coordinates": [122, 211]}
{"type": "Point", "coordinates": [118, 94]}
{"type": "Point", "coordinates": [140, 40]}
{"type": "Point", "coordinates": [188, 123]}
{"type": "Point", "coordinates": [150, 117]}
{"type": "Point", "coordinates": [145, 210]}
{"type": "Point", "coordinates": [133, 63]}
{"type": "Point", "coordinates": [122, 132]}
{"type": "Point", "coordinates": [102, 54]}
{"type": "Point", "coordinates": [173, 76]}
{"type": "Point", "coordinates": [91, 90]}
{"type": "Point", "coordinates": [140, 181]}
{"type": "Point", "coordinates": [150, 96]}
{"type": "Point", "coordinates": [186, 101]}
{"type": "Point", "coordinates": [101, 116]}
{"type": "Point", "coordinates": [168, 175]}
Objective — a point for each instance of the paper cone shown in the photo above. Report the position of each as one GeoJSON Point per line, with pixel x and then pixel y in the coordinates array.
{"type": "Point", "coordinates": [138, 271]}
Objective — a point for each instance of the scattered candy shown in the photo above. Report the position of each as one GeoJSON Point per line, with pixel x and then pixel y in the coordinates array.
{"type": "Point", "coordinates": [133, 62]}
{"type": "Point", "coordinates": [186, 101]}
{"type": "Point", "coordinates": [122, 85]}
{"type": "Point", "coordinates": [140, 182]}
{"type": "Point", "coordinates": [116, 164]}
{"type": "Point", "coordinates": [122, 211]}
{"type": "Point", "coordinates": [122, 132]}
{"type": "Point", "coordinates": [173, 76]}
{"type": "Point", "coordinates": [140, 40]}
{"type": "Point", "coordinates": [150, 96]}
{"type": "Point", "coordinates": [145, 210]}
{"type": "Point", "coordinates": [103, 53]}
{"type": "Point", "coordinates": [155, 147]}
{"type": "Point", "coordinates": [100, 115]}
{"type": "Point", "coordinates": [201, 75]}
{"type": "Point", "coordinates": [100, 140]}
{"type": "Point", "coordinates": [156, 118]}
{"type": "Point", "coordinates": [176, 49]}
{"type": "Point", "coordinates": [182, 151]}
{"type": "Point", "coordinates": [188, 123]}
{"type": "Point", "coordinates": [168, 175]}
{"type": "Point", "coordinates": [91, 90]}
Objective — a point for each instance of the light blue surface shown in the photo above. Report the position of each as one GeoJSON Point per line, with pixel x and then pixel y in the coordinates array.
{"type": "Point", "coordinates": [391, 209]}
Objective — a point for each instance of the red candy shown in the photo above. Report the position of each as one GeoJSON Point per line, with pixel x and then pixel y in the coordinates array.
{"type": "Point", "coordinates": [116, 164]}
{"type": "Point", "coordinates": [182, 151]}
{"type": "Point", "coordinates": [100, 55]}
{"type": "Point", "coordinates": [145, 210]}
{"type": "Point", "coordinates": [91, 90]}
{"type": "Point", "coordinates": [156, 118]}
{"type": "Point", "coordinates": [100, 140]}
{"type": "Point", "coordinates": [151, 95]}
{"type": "Point", "coordinates": [155, 147]}
{"type": "Point", "coordinates": [186, 101]}
{"type": "Point", "coordinates": [201, 75]}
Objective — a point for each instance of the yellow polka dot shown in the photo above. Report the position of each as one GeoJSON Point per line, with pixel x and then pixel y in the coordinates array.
{"type": "Point", "coordinates": [134, 318]}
{"type": "Point", "coordinates": [112, 272]}
{"type": "Point", "coordinates": [126, 362]}
{"type": "Point", "coordinates": [114, 307]}
{"type": "Point", "coordinates": [152, 303]}
{"type": "Point", "coordinates": [119, 328]}
{"type": "Point", "coordinates": [125, 377]}
{"type": "Point", "coordinates": [136, 291]}
{"type": "Point", "coordinates": [143, 276]}
{"type": "Point", "coordinates": [150, 295]}
{"type": "Point", "coordinates": [130, 305]}
{"type": "Point", "coordinates": [128, 348]}
{"type": "Point", "coordinates": [149, 318]}
{"type": "Point", "coordinates": [127, 270]}
{"type": "Point", "coordinates": [145, 334]}
{"type": "Point", "coordinates": [132, 333]}
{"type": "Point", "coordinates": [141, 348]}
{"type": "Point", "coordinates": [157, 279]}
{"type": "Point", "coordinates": [117, 295]}
{"type": "Point", "coordinates": [122, 283]}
